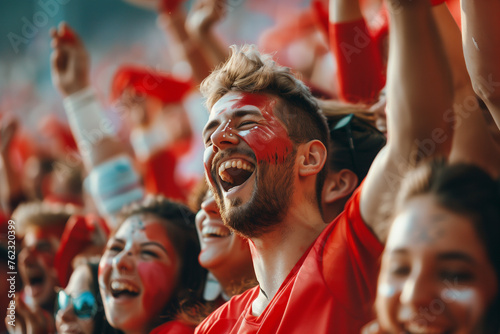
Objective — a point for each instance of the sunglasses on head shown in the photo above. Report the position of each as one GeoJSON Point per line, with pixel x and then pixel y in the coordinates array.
{"type": "Point", "coordinates": [84, 304]}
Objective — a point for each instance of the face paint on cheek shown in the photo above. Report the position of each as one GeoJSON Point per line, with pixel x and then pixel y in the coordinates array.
{"type": "Point", "coordinates": [158, 282]}
{"type": "Point", "coordinates": [270, 143]}
{"type": "Point", "coordinates": [386, 290]}
{"type": "Point", "coordinates": [468, 300]}
{"type": "Point", "coordinates": [455, 295]}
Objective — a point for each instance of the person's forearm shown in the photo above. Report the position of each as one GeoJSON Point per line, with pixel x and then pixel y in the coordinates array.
{"type": "Point", "coordinates": [360, 71]}
{"type": "Point", "coordinates": [11, 185]}
{"type": "Point", "coordinates": [215, 48]}
{"type": "Point", "coordinates": [94, 132]}
{"type": "Point", "coordinates": [419, 86]}
{"type": "Point", "coordinates": [481, 44]}
{"type": "Point", "coordinates": [419, 93]}
{"type": "Point", "coordinates": [112, 179]}
{"type": "Point", "coordinates": [472, 142]}
{"type": "Point", "coordinates": [175, 26]}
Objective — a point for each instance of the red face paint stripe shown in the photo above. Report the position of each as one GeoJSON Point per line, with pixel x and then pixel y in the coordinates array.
{"type": "Point", "coordinates": [270, 143]}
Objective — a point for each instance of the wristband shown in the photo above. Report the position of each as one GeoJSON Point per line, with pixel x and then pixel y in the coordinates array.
{"type": "Point", "coordinates": [88, 123]}
{"type": "Point", "coordinates": [114, 184]}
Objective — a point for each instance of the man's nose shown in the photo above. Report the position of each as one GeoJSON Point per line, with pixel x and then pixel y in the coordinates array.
{"type": "Point", "coordinates": [224, 136]}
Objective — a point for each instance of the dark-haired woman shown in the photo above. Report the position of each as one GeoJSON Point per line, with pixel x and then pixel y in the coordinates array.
{"type": "Point", "coordinates": [441, 265]}
{"type": "Point", "coordinates": [150, 267]}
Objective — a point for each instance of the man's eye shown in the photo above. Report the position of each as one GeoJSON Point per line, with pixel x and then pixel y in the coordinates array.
{"type": "Point", "coordinates": [246, 123]}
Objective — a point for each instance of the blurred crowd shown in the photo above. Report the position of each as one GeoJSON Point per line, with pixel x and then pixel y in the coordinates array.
{"type": "Point", "coordinates": [342, 177]}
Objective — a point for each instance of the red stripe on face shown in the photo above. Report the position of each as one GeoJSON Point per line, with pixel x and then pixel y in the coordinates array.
{"type": "Point", "coordinates": [270, 142]}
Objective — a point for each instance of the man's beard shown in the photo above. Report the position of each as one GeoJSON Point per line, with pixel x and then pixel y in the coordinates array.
{"type": "Point", "coordinates": [269, 204]}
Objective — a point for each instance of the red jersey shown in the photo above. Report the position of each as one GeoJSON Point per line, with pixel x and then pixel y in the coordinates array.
{"type": "Point", "coordinates": [331, 289]}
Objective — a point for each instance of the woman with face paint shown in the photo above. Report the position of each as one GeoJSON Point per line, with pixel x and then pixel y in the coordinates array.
{"type": "Point", "coordinates": [149, 268]}
{"type": "Point", "coordinates": [441, 266]}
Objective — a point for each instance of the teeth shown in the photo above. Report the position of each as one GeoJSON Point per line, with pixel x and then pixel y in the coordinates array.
{"type": "Point", "coordinates": [220, 231]}
{"type": "Point", "coordinates": [123, 286]}
{"type": "Point", "coordinates": [234, 163]}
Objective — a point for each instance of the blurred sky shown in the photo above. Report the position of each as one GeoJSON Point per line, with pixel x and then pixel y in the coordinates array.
{"type": "Point", "coordinates": [113, 31]}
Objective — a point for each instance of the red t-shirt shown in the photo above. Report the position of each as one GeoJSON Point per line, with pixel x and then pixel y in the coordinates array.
{"type": "Point", "coordinates": [173, 327]}
{"type": "Point", "coordinates": [331, 289]}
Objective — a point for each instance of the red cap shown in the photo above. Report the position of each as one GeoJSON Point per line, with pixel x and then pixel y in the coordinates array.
{"type": "Point", "coordinates": [144, 80]}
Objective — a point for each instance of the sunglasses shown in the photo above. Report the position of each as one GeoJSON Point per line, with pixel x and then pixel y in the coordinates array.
{"type": "Point", "coordinates": [84, 304]}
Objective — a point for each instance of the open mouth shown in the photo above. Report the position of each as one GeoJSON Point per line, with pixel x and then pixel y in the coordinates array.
{"type": "Point", "coordinates": [215, 232]}
{"type": "Point", "coordinates": [125, 289]}
{"type": "Point", "coordinates": [36, 280]}
{"type": "Point", "coordinates": [234, 172]}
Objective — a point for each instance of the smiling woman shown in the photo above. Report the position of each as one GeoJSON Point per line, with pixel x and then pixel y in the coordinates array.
{"type": "Point", "coordinates": [224, 253]}
{"type": "Point", "coordinates": [150, 267]}
{"type": "Point", "coordinates": [440, 268]}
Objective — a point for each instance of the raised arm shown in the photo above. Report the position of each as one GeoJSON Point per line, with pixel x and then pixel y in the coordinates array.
{"type": "Point", "coordinates": [419, 91]}
{"type": "Point", "coordinates": [481, 44]}
{"type": "Point", "coordinates": [112, 181]}
{"type": "Point", "coordinates": [200, 25]}
{"type": "Point", "coordinates": [70, 68]}
{"type": "Point", "coordinates": [360, 70]}
{"type": "Point", "coordinates": [9, 178]}
{"type": "Point", "coordinates": [472, 140]}
{"type": "Point", "coordinates": [173, 22]}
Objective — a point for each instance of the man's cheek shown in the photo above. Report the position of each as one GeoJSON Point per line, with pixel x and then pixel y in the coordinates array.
{"type": "Point", "coordinates": [269, 144]}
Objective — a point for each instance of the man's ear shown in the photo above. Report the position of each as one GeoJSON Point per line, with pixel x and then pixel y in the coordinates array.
{"type": "Point", "coordinates": [339, 185]}
{"type": "Point", "coordinates": [311, 157]}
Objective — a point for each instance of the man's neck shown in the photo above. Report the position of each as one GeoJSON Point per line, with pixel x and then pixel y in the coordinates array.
{"type": "Point", "coordinates": [237, 280]}
{"type": "Point", "coordinates": [276, 253]}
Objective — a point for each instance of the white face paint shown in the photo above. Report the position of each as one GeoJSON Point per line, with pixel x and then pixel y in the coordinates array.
{"type": "Point", "coordinates": [435, 276]}
{"type": "Point", "coordinates": [386, 290]}
{"type": "Point", "coordinates": [455, 295]}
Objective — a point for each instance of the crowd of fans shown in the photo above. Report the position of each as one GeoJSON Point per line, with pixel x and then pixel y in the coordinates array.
{"type": "Point", "coordinates": [371, 206]}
